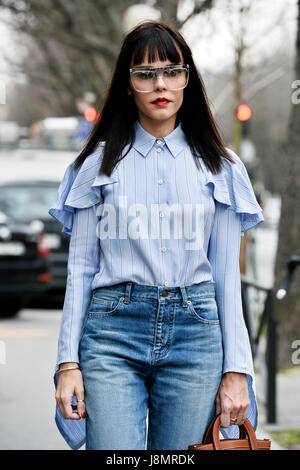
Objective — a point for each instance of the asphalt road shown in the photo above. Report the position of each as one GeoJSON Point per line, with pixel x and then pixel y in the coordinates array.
{"type": "Point", "coordinates": [27, 393]}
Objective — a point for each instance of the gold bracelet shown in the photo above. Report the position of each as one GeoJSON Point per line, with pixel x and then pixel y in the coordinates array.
{"type": "Point", "coordinates": [68, 368]}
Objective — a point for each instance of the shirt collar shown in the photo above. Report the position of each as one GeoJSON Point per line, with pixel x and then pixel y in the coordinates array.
{"type": "Point", "coordinates": [144, 141]}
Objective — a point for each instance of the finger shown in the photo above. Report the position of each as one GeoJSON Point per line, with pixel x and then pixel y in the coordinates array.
{"type": "Point", "coordinates": [240, 416]}
{"type": "Point", "coordinates": [60, 405]}
{"type": "Point", "coordinates": [225, 417]}
{"type": "Point", "coordinates": [244, 413]}
{"type": "Point", "coordinates": [218, 405]}
{"type": "Point", "coordinates": [80, 402]}
{"type": "Point", "coordinates": [66, 408]}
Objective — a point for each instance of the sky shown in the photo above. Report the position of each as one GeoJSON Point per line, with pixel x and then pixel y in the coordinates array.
{"type": "Point", "coordinates": [269, 28]}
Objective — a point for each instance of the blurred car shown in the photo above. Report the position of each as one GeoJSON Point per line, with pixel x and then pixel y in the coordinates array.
{"type": "Point", "coordinates": [24, 265]}
{"type": "Point", "coordinates": [27, 202]}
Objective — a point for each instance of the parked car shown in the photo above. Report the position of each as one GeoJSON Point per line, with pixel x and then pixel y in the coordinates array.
{"type": "Point", "coordinates": [27, 202]}
{"type": "Point", "coordinates": [24, 265]}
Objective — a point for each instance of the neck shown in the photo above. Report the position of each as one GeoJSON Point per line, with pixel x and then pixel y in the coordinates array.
{"type": "Point", "coordinates": [158, 128]}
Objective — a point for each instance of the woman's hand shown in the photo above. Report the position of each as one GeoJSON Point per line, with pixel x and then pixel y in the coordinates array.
{"type": "Point", "coordinates": [232, 399]}
{"type": "Point", "coordinates": [70, 383]}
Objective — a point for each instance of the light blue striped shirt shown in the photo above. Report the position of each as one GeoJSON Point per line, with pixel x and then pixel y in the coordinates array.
{"type": "Point", "coordinates": [157, 220]}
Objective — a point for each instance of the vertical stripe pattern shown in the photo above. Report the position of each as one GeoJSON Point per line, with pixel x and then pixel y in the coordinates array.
{"type": "Point", "coordinates": [161, 186]}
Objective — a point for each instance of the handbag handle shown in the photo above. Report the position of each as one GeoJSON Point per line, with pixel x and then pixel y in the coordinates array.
{"type": "Point", "coordinates": [212, 433]}
{"type": "Point", "coordinates": [207, 438]}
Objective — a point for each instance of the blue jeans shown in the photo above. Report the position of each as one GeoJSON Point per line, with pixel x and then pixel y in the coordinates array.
{"type": "Point", "coordinates": [150, 348]}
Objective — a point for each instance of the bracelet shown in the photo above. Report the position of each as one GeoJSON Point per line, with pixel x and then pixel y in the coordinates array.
{"type": "Point", "coordinates": [68, 368]}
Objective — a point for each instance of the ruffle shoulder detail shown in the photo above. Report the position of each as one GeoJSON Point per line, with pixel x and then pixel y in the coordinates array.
{"type": "Point", "coordinates": [232, 186]}
{"type": "Point", "coordinates": [80, 188]}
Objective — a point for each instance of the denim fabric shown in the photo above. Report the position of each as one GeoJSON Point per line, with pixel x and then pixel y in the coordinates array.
{"type": "Point", "coordinates": [156, 173]}
{"type": "Point", "coordinates": [140, 349]}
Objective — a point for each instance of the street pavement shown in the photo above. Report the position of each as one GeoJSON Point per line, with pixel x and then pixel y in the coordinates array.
{"type": "Point", "coordinates": [27, 393]}
{"type": "Point", "coordinates": [261, 268]}
{"type": "Point", "coordinates": [27, 402]}
{"type": "Point", "coordinates": [287, 405]}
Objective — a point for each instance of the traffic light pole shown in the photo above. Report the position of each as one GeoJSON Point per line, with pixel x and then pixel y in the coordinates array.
{"type": "Point", "coordinates": [240, 130]}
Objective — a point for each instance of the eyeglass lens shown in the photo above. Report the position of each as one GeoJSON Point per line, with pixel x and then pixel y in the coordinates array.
{"type": "Point", "coordinates": [173, 77]}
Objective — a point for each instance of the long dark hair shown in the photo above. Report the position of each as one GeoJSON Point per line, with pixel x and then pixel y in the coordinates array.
{"type": "Point", "coordinates": [115, 123]}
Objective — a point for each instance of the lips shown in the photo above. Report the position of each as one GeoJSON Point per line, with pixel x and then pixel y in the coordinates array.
{"type": "Point", "coordinates": [161, 100]}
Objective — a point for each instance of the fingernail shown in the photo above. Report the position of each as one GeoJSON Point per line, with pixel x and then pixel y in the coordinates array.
{"type": "Point", "coordinates": [83, 414]}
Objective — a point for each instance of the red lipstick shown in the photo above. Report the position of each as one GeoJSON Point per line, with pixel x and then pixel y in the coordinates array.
{"type": "Point", "coordinates": [161, 101]}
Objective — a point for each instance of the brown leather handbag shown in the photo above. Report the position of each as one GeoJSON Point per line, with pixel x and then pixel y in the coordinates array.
{"type": "Point", "coordinates": [212, 441]}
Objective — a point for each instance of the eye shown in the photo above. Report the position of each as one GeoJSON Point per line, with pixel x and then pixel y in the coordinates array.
{"type": "Point", "coordinates": [145, 74]}
{"type": "Point", "coordinates": [173, 72]}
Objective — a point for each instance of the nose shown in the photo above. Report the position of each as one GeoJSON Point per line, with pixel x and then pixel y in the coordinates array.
{"type": "Point", "coordinates": [159, 82]}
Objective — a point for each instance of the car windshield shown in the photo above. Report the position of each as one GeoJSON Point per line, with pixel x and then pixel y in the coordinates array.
{"type": "Point", "coordinates": [24, 202]}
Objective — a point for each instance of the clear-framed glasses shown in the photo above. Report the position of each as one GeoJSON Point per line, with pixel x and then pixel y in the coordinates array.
{"type": "Point", "coordinates": [175, 77]}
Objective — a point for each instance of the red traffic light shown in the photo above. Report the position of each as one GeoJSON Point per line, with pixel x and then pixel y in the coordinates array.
{"type": "Point", "coordinates": [244, 112]}
{"type": "Point", "coordinates": [90, 114]}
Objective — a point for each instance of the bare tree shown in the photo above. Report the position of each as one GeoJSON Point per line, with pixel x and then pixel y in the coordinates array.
{"type": "Point", "coordinates": [169, 9]}
{"type": "Point", "coordinates": [238, 16]}
{"type": "Point", "coordinates": [288, 309]}
{"type": "Point", "coordinates": [289, 233]}
{"type": "Point", "coordinates": [72, 45]}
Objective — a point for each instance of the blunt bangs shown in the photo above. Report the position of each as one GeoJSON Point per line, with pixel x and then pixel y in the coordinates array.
{"type": "Point", "coordinates": [152, 46]}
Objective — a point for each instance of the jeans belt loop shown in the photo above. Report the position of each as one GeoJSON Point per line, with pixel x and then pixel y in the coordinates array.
{"type": "Point", "coordinates": [127, 292]}
{"type": "Point", "coordinates": [184, 296]}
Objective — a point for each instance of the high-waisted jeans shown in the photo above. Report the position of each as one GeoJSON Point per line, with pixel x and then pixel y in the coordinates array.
{"type": "Point", "coordinates": [150, 349]}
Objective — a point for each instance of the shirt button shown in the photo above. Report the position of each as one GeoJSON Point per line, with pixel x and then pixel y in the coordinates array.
{"type": "Point", "coordinates": [166, 283]}
{"type": "Point", "coordinates": [164, 249]}
{"type": "Point", "coordinates": [158, 141]}
{"type": "Point", "coordinates": [160, 181]}
{"type": "Point", "coordinates": [158, 150]}
{"type": "Point", "coordinates": [161, 214]}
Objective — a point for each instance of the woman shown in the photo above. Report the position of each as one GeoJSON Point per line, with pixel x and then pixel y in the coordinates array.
{"type": "Point", "coordinates": [155, 205]}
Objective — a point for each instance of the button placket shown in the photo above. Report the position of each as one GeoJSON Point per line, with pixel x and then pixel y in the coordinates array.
{"type": "Point", "coordinates": [160, 143]}
{"type": "Point", "coordinates": [162, 193]}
